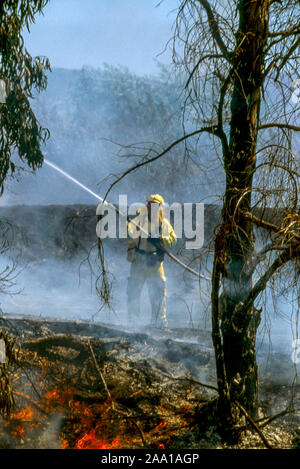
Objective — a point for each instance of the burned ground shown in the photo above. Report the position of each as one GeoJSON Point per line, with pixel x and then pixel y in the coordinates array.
{"type": "Point", "coordinates": [87, 385]}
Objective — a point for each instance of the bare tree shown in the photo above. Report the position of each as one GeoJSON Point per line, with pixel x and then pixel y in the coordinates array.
{"type": "Point", "coordinates": [242, 60]}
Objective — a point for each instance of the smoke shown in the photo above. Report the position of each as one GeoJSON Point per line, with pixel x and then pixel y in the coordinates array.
{"type": "Point", "coordinates": [58, 268]}
{"type": "Point", "coordinates": [49, 438]}
{"type": "Point", "coordinates": [84, 112]}
{"type": "Point", "coordinates": [101, 123]}
{"type": "Point", "coordinates": [58, 271]}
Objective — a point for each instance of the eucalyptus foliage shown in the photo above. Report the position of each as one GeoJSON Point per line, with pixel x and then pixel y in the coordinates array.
{"type": "Point", "coordinates": [23, 75]}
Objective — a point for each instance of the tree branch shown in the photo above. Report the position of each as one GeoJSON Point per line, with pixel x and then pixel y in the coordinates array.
{"type": "Point", "coordinates": [258, 257]}
{"type": "Point", "coordinates": [221, 132]}
{"type": "Point", "coordinates": [267, 225]}
{"type": "Point", "coordinates": [262, 223]}
{"type": "Point", "coordinates": [288, 254]}
{"type": "Point", "coordinates": [279, 125]}
{"type": "Point", "coordinates": [186, 378]}
{"type": "Point", "coordinates": [288, 32]}
{"type": "Point", "coordinates": [208, 56]}
{"type": "Point", "coordinates": [214, 28]}
{"type": "Point", "coordinates": [254, 425]}
{"type": "Point", "coordinates": [287, 56]}
{"type": "Point", "coordinates": [211, 130]}
{"type": "Point", "coordinates": [276, 416]}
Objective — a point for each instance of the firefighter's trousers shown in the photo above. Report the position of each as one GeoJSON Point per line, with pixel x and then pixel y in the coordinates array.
{"type": "Point", "coordinates": [153, 275]}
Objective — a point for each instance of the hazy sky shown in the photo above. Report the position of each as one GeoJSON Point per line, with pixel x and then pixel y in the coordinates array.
{"type": "Point", "coordinates": [73, 33]}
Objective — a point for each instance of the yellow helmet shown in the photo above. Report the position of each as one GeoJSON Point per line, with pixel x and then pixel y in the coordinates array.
{"type": "Point", "coordinates": [156, 198]}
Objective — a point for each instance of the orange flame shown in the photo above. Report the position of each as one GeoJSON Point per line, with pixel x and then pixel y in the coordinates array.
{"type": "Point", "coordinates": [91, 441]}
{"type": "Point", "coordinates": [86, 426]}
{"type": "Point", "coordinates": [25, 415]}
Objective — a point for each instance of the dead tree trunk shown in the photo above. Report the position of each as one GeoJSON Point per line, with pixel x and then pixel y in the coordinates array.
{"type": "Point", "coordinates": [234, 243]}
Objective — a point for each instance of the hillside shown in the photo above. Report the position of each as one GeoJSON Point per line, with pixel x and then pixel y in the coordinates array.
{"type": "Point", "coordinates": [101, 122]}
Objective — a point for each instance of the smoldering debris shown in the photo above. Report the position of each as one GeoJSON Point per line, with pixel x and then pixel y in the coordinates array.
{"type": "Point", "coordinates": [85, 385]}
{"type": "Point", "coordinates": [72, 405]}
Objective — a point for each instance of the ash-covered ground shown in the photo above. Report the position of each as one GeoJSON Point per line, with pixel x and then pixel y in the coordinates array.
{"type": "Point", "coordinates": [88, 385]}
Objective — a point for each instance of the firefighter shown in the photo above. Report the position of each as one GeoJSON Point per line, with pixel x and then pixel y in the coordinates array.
{"type": "Point", "coordinates": [147, 232]}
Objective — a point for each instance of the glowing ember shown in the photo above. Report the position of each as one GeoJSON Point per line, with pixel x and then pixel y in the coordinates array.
{"type": "Point", "coordinates": [25, 415]}
{"type": "Point", "coordinates": [161, 446]}
{"type": "Point", "coordinates": [19, 431]}
{"type": "Point", "coordinates": [91, 441]}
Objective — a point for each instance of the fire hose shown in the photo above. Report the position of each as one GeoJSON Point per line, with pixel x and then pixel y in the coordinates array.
{"type": "Point", "coordinates": [107, 204]}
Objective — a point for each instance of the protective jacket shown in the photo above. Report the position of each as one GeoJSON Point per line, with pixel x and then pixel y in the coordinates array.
{"type": "Point", "coordinates": [159, 233]}
{"type": "Point", "coordinates": [146, 259]}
